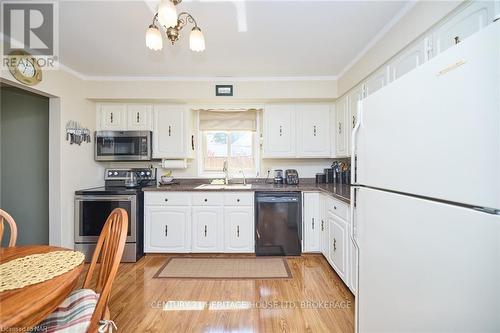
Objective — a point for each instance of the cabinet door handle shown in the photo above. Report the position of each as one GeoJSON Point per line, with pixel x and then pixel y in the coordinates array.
{"type": "Point", "coordinates": [166, 230]}
{"type": "Point", "coordinates": [353, 121]}
{"type": "Point", "coordinates": [322, 225]}
{"type": "Point", "coordinates": [169, 130]}
{"type": "Point", "coordinates": [334, 245]}
{"type": "Point", "coordinates": [166, 199]}
{"type": "Point", "coordinates": [238, 231]}
{"type": "Point", "coordinates": [334, 207]}
{"type": "Point", "coordinates": [192, 142]}
{"type": "Point", "coordinates": [138, 117]}
{"type": "Point", "coordinates": [340, 128]}
{"type": "Point", "coordinates": [237, 200]}
{"type": "Point", "coordinates": [281, 130]}
{"type": "Point", "coordinates": [205, 231]}
{"type": "Point", "coordinates": [314, 130]}
{"type": "Point", "coordinates": [111, 117]}
{"type": "Point", "coordinates": [206, 199]}
{"type": "Point", "coordinates": [457, 39]}
{"type": "Point", "coordinates": [313, 223]}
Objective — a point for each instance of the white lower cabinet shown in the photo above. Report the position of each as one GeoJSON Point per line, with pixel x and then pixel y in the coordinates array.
{"type": "Point", "coordinates": [198, 222]}
{"type": "Point", "coordinates": [167, 229]}
{"type": "Point", "coordinates": [311, 222]}
{"type": "Point", "coordinates": [239, 229]}
{"type": "Point", "coordinates": [338, 252]}
{"type": "Point", "coordinates": [335, 241]}
{"type": "Point", "coordinates": [323, 232]}
{"type": "Point", "coordinates": [207, 229]}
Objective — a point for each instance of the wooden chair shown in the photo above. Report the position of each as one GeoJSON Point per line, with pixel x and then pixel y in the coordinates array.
{"type": "Point", "coordinates": [86, 307]}
{"type": "Point", "coordinates": [4, 216]}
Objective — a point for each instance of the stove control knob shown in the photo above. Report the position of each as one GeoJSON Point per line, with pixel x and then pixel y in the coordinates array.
{"type": "Point", "coordinates": [110, 173]}
{"type": "Point", "coordinates": [148, 173]}
{"type": "Point", "coordinates": [142, 173]}
{"type": "Point", "coordinates": [115, 173]}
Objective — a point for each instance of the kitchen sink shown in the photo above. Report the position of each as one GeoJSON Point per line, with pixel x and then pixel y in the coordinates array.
{"type": "Point", "coordinates": [224, 187]}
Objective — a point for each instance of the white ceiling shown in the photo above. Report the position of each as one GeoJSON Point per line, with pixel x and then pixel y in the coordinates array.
{"type": "Point", "coordinates": [243, 38]}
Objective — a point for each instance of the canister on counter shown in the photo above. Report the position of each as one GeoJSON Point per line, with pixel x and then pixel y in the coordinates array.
{"type": "Point", "coordinates": [329, 176]}
{"type": "Point", "coordinates": [320, 178]}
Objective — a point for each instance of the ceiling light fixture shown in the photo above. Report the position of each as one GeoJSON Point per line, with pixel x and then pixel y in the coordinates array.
{"type": "Point", "coordinates": [173, 23]}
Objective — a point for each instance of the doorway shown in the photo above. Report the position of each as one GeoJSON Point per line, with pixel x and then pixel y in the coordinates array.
{"type": "Point", "coordinates": [24, 163]}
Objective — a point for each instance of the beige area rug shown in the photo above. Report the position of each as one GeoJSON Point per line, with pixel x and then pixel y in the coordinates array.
{"type": "Point", "coordinates": [225, 268]}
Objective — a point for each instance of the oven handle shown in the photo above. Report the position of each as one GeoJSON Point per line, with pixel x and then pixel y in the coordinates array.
{"type": "Point", "coordinates": [104, 197]}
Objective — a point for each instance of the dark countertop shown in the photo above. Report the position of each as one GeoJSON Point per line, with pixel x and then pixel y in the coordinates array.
{"type": "Point", "coordinates": [338, 191]}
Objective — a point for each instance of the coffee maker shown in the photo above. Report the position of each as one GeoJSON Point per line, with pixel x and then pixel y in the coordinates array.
{"type": "Point", "coordinates": [278, 176]}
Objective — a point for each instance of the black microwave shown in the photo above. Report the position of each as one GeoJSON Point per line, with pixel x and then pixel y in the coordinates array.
{"type": "Point", "coordinates": [122, 145]}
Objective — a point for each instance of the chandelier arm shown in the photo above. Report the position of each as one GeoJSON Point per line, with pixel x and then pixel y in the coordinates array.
{"type": "Point", "coordinates": [155, 19]}
{"type": "Point", "coordinates": [189, 19]}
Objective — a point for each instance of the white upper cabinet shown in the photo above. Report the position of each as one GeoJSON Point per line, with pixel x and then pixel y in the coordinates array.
{"type": "Point", "coordinates": [112, 117]}
{"type": "Point", "coordinates": [376, 81]}
{"type": "Point", "coordinates": [408, 60]}
{"type": "Point", "coordinates": [313, 130]}
{"type": "Point", "coordinates": [341, 128]}
{"type": "Point", "coordinates": [124, 117]}
{"type": "Point", "coordinates": [172, 136]}
{"type": "Point", "coordinates": [139, 117]}
{"type": "Point", "coordinates": [279, 131]}
{"type": "Point", "coordinates": [470, 20]}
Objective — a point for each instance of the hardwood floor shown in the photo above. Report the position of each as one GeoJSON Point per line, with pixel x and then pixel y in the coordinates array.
{"type": "Point", "coordinates": [138, 300]}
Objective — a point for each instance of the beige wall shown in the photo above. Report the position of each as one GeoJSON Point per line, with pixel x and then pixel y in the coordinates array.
{"type": "Point", "coordinates": [204, 91]}
{"type": "Point", "coordinates": [419, 19]}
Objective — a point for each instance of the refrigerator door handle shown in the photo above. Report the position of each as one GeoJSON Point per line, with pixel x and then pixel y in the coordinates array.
{"type": "Point", "coordinates": [353, 237]}
{"type": "Point", "coordinates": [353, 230]}
{"type": "Point", "coordinates": [354, 176]}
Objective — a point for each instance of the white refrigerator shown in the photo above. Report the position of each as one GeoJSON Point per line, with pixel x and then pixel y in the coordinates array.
{"type": "Point", "coordinates": [426, 195]}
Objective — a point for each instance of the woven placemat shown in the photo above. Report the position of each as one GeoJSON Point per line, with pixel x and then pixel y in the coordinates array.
{"type": "Point", "coordinates": [36, 268]}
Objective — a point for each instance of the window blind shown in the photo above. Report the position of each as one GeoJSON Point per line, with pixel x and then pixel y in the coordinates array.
{"type": "Point", "coordinates": [228, 120]}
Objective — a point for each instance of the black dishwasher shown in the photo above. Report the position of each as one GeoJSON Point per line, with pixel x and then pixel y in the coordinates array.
{"type": "Point", "coordinates": [278, 223]}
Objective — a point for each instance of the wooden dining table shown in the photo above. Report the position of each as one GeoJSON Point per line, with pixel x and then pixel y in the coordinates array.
{"type": "Point", "coordinates": [25, 307]}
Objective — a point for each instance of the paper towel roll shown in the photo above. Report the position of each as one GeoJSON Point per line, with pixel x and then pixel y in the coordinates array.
{"type": "Point", "coordinates": [174, 164]}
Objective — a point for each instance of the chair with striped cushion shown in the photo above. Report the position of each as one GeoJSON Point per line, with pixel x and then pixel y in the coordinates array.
{"type": "Point", "coordinates": [83, 309]}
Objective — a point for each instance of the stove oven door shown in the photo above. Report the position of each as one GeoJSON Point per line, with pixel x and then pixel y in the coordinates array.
{"type": "Point", "coordinates": [91, 212]}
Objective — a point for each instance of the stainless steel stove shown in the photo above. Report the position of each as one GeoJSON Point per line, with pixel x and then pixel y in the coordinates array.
{"type": "Point", "coordinates": [93, 206]}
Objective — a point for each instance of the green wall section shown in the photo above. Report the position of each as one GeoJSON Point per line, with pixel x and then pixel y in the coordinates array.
{"type": "Point", "coordinates": [24, 163]}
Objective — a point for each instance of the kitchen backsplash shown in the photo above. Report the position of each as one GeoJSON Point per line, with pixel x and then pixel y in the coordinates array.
{"type": "Point", "coordinates": [307, 168]}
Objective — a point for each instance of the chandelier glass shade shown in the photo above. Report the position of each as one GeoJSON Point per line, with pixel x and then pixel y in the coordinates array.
{"type": "Point", "coordinates": [153, 38]}
{"type": "Point", "coordinates": [167, 14]}
{"type": "Point", "coordinates": [196, 40]}
{"type": "Point", "coordinates": [172, 23]}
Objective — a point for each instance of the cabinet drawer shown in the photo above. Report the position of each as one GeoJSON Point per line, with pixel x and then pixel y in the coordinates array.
{"type": "Point", "coordinates": [167, 198]}
{"type": "Point", "coordinates": [339, 208]}
{"type": "Point", "coordinates": [238, 199]}
{"type": "Point", "coordinates": [208, 199]}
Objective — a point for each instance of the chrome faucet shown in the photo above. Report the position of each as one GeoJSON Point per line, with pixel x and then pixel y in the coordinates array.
{"type": "Point", "coordinates": [226, 172]}
{"type": "Point", "coordinates": [244, 178]}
